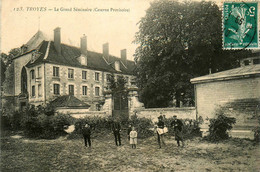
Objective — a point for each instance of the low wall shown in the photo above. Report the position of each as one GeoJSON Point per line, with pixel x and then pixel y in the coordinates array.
{"type": "Point", "coordinates": [181, 113]}
{"type": "Point", "coordinates": [102, 114]}
{"type": "Point", "coordinates": [81, 113]}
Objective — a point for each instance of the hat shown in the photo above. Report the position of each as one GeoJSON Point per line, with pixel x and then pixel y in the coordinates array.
{"type": "Point", "coordinates": [174, 115]}
{"type": "Point", "coordinates": [160, 117]}
{"type": "Point", "coordinates": [86, 125]}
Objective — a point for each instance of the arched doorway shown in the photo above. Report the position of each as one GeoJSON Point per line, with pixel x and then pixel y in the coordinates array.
{"type": "Point", "coordinates": [23, 81]}
{"type": "Point", "coordinates": [23, 96]}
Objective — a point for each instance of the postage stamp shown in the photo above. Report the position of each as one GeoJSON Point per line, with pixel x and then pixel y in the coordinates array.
{"type": "Point", "coordinates": [240, 25]}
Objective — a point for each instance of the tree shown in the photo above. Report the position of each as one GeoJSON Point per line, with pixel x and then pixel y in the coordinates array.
{"type": "Point", "coordinates": [7, 59]}
{"type": "Point", "coordinates": [117, 84]}
{"type": "Point", "coordinates": [177, 42]}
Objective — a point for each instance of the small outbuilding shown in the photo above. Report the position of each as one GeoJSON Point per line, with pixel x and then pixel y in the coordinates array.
{"type": "Point", "coordinates": [236, 91]}
{"type": "Point", "coordinates": [69, 104]}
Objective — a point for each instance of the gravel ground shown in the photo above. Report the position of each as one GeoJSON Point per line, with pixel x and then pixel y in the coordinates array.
{"type": "Point", "coordinates": [21, 154]}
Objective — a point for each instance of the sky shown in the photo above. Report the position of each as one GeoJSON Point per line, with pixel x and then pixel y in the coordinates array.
{"type": "Point", "coordinates": [21, 19]}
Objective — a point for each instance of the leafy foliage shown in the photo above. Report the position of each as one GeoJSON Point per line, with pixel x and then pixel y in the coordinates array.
{"type": "Point", "coordinates": [7, 58]}
{"type": "Point", "coordinates": [142, 126]}
{"type": "Point", "coordinates": [190, 127]}
{"type": "Point", "coordinates": [117, 84]}
{"type": "Point", "coordinates": [179, 41]}
{"type": "Point", "coordinates": [37, 122]}
{"type": "Point", "coordinates": [218, 127]}
{"type": "Point", "coordinates": [256, 131]}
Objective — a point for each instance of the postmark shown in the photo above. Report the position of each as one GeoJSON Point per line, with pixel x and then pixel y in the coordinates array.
{"type": "Point", "coordinates": [240, 25]}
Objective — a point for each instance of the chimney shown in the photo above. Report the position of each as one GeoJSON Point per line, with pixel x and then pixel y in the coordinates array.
{"type": "Point", "coordinates": [106, 51]}
{"type": "Point", "coordinates": [57, 41]}
{"type": "Point", "coordinates": [83, 44]}
{"type": "Point", "coordinates": [123, 56]}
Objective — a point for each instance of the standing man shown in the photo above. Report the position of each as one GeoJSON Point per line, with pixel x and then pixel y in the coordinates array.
{"type": "Point", "coordinates": [160, 131]}
{"type": "Point", "coordinates": [116, 128]}
{"type": "Point", "coordinates": [178, 128]}
{"type": "Point", "coordinates": [86, 131]}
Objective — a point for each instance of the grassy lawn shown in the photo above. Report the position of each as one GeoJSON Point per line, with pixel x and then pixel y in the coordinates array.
{"type": "Point", "coordinates": [71, 155]}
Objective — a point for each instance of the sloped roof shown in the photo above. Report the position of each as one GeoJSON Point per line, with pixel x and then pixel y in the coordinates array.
{"type": "Point", "coordinates": [69, 55]}
{"type": "Point", "coordinates": [36, 40]}
{"type": "Point", "coordinates": [245, 71]}
{"type": "Point", "coordinates": [68, 101]}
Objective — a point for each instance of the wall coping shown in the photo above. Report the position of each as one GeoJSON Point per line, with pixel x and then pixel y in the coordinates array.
{"type": "Point", "coordinates": [168, 109]}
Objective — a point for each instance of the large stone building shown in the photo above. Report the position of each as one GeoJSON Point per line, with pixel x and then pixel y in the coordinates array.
{"type": "Point", "coordinates": [236, 91]}
{"type": "Point", "coordinates": [46, 70]}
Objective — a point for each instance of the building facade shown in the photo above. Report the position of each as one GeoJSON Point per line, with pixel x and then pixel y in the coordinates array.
{"type": "Point", "coordinates": [46, 70]}
{"type": "Point", "coordinates": [236, 91]}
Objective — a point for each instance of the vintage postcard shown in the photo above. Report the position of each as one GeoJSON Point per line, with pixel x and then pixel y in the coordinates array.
{"type": "Point", "coordinates": [130, 85]}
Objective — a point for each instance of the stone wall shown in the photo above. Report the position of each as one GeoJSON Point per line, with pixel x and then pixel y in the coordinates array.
{"type": "Point", "coordinates": [76, 113]}
{"type": "Point", "coordinates": [181, 113]}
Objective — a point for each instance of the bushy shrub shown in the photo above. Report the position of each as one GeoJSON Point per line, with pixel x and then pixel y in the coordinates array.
{"type": "Point", "coordinates": [59, 121]}
{"type": "Point", "coordinates": [36, 123]}
{"type": "Point", "coordinates": [256, 131]}
{"type": "Point", "coordinates": [100, 126]}
{"type": "Point", "coordinates": [10, 120]}
{"type": "Point", "coordinates": [142, 125]}
{"type": "Point", "coordinates": [190, 127]}
{"type": "Point", "coordinates": [219, 127]}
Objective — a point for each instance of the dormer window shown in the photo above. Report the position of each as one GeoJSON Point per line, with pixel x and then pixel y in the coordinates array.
{"type": "Point", "coordinates": [117, 65]}
{"type": "Point", "coordinates": [35, 55]}
{"type": "Point", "coordinates": [83, 60]}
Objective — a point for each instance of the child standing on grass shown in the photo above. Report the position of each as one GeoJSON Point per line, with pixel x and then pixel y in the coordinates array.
{"type": "Point", "coordinates": [133, 138]}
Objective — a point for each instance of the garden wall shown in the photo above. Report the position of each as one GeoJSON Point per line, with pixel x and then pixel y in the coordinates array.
{"type": "Point", "coordinates": [153, 113]}
{"type": "Point", "coordinates": [81, 113]}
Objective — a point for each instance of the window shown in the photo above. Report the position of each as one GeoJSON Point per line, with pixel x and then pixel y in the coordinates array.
{"type": "Point", "coordinates": [96, 76]}
{"type": "Point", "coordinates": [39, 72]}
{"type": "Point", "coordinates": [246, 62]}
{"type": "Point", "coordinates": [84, 74]}
{"type": "Point", "coordinates": [96, 91]}
{"type": "Point", "coordinates": [71, 89]}
{"type": "Point", "coordinates": [108, 77]}
{"type": "Point", "coordinates": [97, 107]}
{"type": "Point", "coordinates": [33, 91]}
{"type": "Point", "coordinates": [32, 74]}
{"type": "Point", "coordinates": [39, 90]}
{"type": "Point", "coordinates": [84, 90]}
{"type": "Point", "coordinates": [56, 88]}
{"type": "Point", "coordinates": [256, 61]}
{"type": "Point", "coordinates": [56, 71]}
{"type": "Point", "coordinates": [70, 73]}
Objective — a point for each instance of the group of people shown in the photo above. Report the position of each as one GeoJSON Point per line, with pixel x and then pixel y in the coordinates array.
{"type": "Point", "coordinates": [161, 129]}
{"type": "Point", "coordinates": [116, 128]}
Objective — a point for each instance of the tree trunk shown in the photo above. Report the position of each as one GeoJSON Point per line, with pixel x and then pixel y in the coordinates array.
{"type": "Point", "coordinates": [177, 97]}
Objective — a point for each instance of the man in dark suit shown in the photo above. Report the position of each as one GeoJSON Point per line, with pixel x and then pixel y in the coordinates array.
{"type": "Point", "coordinates": [178, 128]}
{"type": "Point", "coordinates": [86, 131]}
{"type": "Point", "coordinates": [116, 128]}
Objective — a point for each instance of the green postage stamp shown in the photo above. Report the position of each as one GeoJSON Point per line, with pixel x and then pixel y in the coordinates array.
{"type": "Point", "coordinates": [240, 25]}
